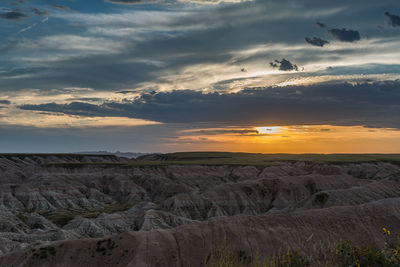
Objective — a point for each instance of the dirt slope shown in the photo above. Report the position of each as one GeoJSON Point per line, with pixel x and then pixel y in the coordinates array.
{"type": "Point", "coordinates": [97, 211]}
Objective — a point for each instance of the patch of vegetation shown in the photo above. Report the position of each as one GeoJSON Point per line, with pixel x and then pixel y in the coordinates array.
{"type": "Point", "coordinates": [63, 217]}
{"type": "Point", "coordinates": [46, 155]}
{"type": "Point", "coordinates": [259, 158]}
{"type": "Point", "coordinates": [74, 165]}
{"type": "Point", "coordinates": [288, 259]}
{"type": "Point", "coordinates": [344, 254]}
{"type": "Point", "coordinates": [112, 208]}
{"type": "Point", "coordinates": [22, 217]}
{"type": "Point", "coordinates": [45, 252]}
{"type": "Point", "coordinates": [321, 198]}
{"type": "Point", "coordinates": [105, 246]}
{"type": "Point", "coordinates": [226, 257]}
{"type": "Point", "coordinates": [243, 159]}
{"type": "Point", "coordinates": [236, 159]}
{"type": "Point", "coordinates": [348, 254]}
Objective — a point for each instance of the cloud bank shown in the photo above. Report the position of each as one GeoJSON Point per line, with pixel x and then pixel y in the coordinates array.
{"type": "Point", "coordinates": [369, 104]}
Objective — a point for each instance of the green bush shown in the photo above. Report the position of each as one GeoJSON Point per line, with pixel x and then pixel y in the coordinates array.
{"type": "Point", "coordinates": [287, 259]}
{"type": "Point", "coordinates": [227, 257]}
{"type": "Point", "coordinates": [321, 198]}
{"type": "Point", "coordinates": [345, 254]}
{"type": "Point", "coordinates": [367, 256]}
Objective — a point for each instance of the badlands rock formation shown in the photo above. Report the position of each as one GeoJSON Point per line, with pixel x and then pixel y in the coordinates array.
{"type": "Point", "coordinates": [82, 210]}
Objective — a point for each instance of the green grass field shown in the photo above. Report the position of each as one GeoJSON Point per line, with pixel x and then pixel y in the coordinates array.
{"type": "Point", "coordinates": [261, 159]}
{"type": "Point", "coordinates": [62, 217]}
{"type": "Point", "coordinates": [227, 158]}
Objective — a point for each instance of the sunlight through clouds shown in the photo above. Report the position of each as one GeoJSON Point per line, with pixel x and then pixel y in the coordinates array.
{"type": "Point", "coordinates": [293, 139]}
{"type": "Point", "coordinates": [164, 63]}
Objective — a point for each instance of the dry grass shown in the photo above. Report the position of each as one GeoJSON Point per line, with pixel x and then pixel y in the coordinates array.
{"type": "Point", "coordinates": [344, 254]}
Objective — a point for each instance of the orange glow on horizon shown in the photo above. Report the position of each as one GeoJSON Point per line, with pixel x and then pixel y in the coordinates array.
{"type": "Point", "coordinates": [290, 139]}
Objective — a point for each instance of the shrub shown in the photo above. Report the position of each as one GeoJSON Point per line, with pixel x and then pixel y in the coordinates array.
{"type": "Point", "coordinates": [349, 255]}
{"type": "Point", "coordinates": [345, 255]}
{"type": "Point", "coordinates": [227, 257]}
{"type": "Point", "coordinates": [321, 198]}
{"type": "Point", "coordinates": [287, 259]}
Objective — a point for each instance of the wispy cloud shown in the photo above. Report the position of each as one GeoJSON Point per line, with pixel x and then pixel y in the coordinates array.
{"type": "Point", "coordinates": [31, 26]}
{"type": "Point", "coordinates": [132, 2]}
{"type": "Point", "coordinates": [371, 104]}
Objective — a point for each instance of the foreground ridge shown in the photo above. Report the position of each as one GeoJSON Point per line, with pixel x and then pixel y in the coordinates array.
{"type": "Point", "coordinates": [94, 210]}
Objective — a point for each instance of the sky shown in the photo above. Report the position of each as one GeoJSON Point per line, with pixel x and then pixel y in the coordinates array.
{"type": "Point", "coordinates": [265, 76]}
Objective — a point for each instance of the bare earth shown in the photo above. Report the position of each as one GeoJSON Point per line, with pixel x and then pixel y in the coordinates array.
{"type": "Point", "coordinates": [69, 210]}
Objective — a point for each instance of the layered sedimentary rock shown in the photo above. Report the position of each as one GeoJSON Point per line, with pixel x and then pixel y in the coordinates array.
{"type": "Point", "coordinates": [177, 214]}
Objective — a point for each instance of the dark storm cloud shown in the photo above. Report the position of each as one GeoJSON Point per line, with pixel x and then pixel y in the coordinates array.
{"type": "Point", "coordinates": [131, 2]}
{"type": "Point", "coordinates": [74, 108]}
{"type": "Point", "coordinates": [13, 15]}
{"type": "Point", "coordinates": [316, 41]}
{"type": "Point", "coordinates": [373, 104]}
{"type": "Point", "coordinates": [344, 35]}
{"type": "Point", "coordinates": [215, 34]}
{"type": "Point", "coordinates": [394, 20]}
{"type": "Point", "coordinates": [13, 73]}
{"type": "Point", "coordinates": [101, 72]}
{"type": "Point", "coordinates": [284, 65]}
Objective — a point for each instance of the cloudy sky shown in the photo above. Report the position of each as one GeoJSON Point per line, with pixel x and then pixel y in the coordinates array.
{"type": "Point", "coordinates": [177, 75]}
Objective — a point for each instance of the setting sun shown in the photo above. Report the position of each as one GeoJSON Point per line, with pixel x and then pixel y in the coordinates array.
{"type": "Point", "coordinates": [268, 130]}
